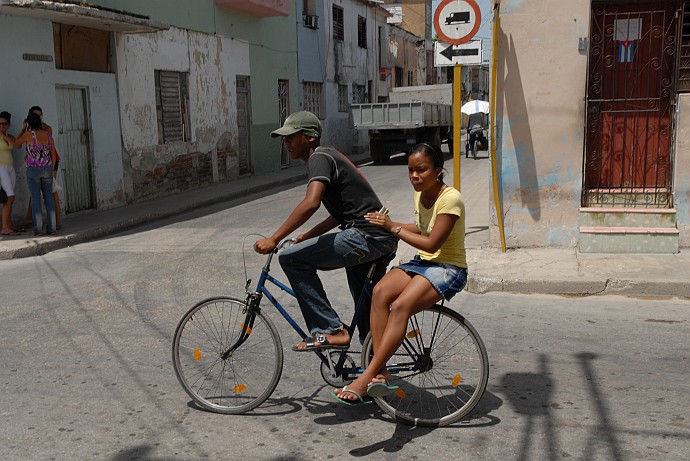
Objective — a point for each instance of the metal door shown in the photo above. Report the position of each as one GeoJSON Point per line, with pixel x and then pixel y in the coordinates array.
{"type": "Point", "coordinates": [630, 104]}
{"type": "Point", "coordinates": [74, 147]}
{"type": "Point", "coordinates": [244, 123]}
{"type": "Point", "coordinates": [283, 112]}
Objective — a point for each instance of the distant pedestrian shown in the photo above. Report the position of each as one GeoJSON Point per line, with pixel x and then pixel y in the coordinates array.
{"type": "Point", "coordinates": [8, 177]}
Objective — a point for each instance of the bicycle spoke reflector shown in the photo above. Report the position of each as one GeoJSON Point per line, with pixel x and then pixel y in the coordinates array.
{"type": "Point", "coordinates": [412, 334]}
{"type": "Point", "coordinates": [197, 354]}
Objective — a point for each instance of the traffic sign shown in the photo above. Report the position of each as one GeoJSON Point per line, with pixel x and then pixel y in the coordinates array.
{"type": "Point", "coordinates": [466, 54]}
{"type": "Point", "coordinates": [457, 21]}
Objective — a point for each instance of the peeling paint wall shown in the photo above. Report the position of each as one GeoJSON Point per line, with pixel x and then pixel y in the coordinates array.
{"type": "Point", "coordinates": [212, 62]}
{"type": "Point", "coordinates": [540, 121]}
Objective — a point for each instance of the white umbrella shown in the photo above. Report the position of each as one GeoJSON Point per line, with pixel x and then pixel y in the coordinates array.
{"type": "Point", "coordinates": [473, 107]}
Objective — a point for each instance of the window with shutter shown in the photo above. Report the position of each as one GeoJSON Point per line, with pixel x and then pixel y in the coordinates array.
{"type": "Point", "coordinates": [172, 106]}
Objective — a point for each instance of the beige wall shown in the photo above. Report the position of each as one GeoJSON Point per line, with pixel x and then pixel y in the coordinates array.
{"type": "Point", "coordinates": [541, 80]}
{"type": "Point", "coordinates": [681, 177]}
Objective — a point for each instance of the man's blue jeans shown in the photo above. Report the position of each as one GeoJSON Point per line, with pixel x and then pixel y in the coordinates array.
{"type": "Point", "coordinates": [40, 181]}
{"type": "Point", "coordinates": [351, 249]}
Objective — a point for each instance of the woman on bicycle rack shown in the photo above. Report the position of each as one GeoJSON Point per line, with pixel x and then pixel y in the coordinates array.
{"type": "Point", "coordinates": [439, 270]}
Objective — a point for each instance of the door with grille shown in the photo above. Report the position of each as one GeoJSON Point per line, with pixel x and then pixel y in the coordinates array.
{"type": "Point", "coordinates": [630, 104]}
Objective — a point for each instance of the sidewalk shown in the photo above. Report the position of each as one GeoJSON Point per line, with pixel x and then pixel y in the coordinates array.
{"type": "Point", "coordinates": [524, 270]}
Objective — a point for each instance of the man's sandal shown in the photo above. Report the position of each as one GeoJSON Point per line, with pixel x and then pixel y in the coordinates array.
{"type": "Point", "coordinates": [310, 344]}
{"type": "Point", "coordinates": [361, 400]}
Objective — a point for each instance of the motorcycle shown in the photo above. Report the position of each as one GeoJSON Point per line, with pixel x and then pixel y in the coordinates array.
{"type": "Point", "coordinates": [476, 136]}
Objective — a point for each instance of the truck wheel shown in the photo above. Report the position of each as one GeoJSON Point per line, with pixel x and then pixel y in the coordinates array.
{"type": "Point", "coordinates": [379, 154]}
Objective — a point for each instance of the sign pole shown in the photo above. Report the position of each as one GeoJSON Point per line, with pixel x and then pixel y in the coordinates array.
{"type": "Point", "coordinates": [457, 123]}
{"type": "Point", "coordinates": [492, 111]}
{"type": "Point", "coordinates": [456, 22]}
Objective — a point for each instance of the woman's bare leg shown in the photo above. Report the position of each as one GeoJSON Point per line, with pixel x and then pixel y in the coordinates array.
{"type": "Point", "coordinates": [7, 215]}
{"type": "Point", "coordinates": [416, 296]}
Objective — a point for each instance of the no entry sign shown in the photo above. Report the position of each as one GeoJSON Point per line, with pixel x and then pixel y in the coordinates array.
{"type": "Point", "coordinates": [457, 21]}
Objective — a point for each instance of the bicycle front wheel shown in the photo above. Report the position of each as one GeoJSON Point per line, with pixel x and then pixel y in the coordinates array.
{"type": "Point", "coordinates": [221, 374]}
{"type": "Point", "coordinates": [442, 369]}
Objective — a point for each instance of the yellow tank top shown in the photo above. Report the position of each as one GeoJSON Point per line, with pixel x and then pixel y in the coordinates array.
{"type": "Point", "coordinates": [5, 153]}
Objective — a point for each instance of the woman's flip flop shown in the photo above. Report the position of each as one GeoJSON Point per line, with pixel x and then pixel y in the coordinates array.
{"type": "Point", "coordinates": [361, 400]}
{"type": "Point", "coordinates": [381, 389]}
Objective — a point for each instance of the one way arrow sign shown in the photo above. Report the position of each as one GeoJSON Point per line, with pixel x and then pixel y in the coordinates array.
{"type": "Point", "coordinates": [450, 55]}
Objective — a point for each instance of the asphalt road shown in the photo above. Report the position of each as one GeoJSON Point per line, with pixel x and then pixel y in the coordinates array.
{"type": "Point", "coordinates": [87, 373]}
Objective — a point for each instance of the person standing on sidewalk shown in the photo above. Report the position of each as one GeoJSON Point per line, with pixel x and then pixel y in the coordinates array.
{"type": "Point", "coordinates": [56, 186]}
{"type": "Point", "coordinates": [8, 176]}
{"type": "Point", "coordinates": [439, 271]}
{"type": "Point", "coordinates": [337, 183]}
{"type": "Point", "coordinates": [40, 158]}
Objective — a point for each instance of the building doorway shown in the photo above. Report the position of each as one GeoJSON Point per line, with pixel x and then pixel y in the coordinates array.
{"type": "Point", "coordinates": [630, 105]}
{"type": "Point", "coordinates": [244, 124]}
{"type": "Point", "coordinates": [74, 146]}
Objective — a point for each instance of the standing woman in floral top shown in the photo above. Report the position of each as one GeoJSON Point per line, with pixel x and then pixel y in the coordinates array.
{"type": "Point", "coordinates": [40, 158]}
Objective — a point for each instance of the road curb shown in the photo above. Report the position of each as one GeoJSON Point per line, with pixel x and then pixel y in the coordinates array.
{"type": "Point", "coordinates": [612, 286]}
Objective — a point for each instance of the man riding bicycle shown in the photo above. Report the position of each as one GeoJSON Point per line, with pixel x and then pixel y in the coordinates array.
{"type": "Point", "coordinates": [337, 183]}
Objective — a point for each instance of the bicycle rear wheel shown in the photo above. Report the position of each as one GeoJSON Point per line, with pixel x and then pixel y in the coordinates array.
{"type": "Point", "coordinates": [247, 376]}
{"type": "Point", "coordinates": [442, 369]}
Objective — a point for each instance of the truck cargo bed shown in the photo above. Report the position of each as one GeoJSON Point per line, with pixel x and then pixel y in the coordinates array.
{"type": "Point", "coordinates": [401, 115]}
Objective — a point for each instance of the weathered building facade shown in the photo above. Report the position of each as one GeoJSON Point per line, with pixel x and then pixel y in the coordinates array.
{"type": "Point", "coordinates": [149, 98]}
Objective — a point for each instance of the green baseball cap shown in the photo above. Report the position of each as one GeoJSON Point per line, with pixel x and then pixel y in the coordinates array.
{"type": "Point", "coordinates": [303, 121]}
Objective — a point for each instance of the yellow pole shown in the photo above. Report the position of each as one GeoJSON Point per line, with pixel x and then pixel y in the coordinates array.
{"type": "Point", "coordinates": [494, 175]}
{"type": "Point", "coordinates": [457, 123]}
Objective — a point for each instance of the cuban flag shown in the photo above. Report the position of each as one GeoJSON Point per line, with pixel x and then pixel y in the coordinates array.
{"type": "Point", "coordinates": [626, 50]}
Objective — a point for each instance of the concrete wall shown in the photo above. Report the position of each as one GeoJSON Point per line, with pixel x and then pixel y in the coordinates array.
{"type": "Point", "coordinates": [681, 177]}
{"type": "Point", "coordinates": [540, 121]}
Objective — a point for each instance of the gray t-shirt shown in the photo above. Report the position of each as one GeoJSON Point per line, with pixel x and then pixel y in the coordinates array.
{"type": "Point", "coordinates": [348, 195]}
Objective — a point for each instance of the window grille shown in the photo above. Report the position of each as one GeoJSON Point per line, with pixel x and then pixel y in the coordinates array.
{"type": "Point", "coordinates": [342, 98]}
{"type": "Point", "coordinates": [358, 94]}
{"type": "Point", "coordinates": [362, 31]}
{"type": "Point", "coordinates": [312, 97]}
{"type": "Point", "coordinates": [684, 55]}
{"type": "Point", "coordinates": [338, 23]}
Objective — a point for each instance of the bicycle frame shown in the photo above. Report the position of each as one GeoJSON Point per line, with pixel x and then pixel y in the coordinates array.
{"type": "Point", "coordinates": [253, 302]}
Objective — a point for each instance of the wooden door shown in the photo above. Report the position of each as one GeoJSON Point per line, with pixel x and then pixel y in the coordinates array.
{"type": "Point", "coordinates": [74, 146]}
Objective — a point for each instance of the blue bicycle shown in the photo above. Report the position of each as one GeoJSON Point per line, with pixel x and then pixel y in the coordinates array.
{"type": "Point", "coordinates": [228, 357]}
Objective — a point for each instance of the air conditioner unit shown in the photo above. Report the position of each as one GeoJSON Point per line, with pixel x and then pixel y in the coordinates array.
{"type": "Point", "coordinates": [311, 21]}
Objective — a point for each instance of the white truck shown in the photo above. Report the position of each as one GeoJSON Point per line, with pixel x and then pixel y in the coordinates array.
{"type": "Point", "coordinates": [414, 114]}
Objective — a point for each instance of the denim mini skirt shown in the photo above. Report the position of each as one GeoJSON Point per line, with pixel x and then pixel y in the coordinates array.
{"type": "Point", "coordinates": [447, 279]}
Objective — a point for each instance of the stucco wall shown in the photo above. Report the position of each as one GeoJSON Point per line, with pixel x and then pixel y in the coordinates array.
{"type": "Point", "coordinates": [681, 177]}
{"type": "Point", "coordinates": [540, 120]}
{"type": "Point", "coordinates": [212, 63]}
